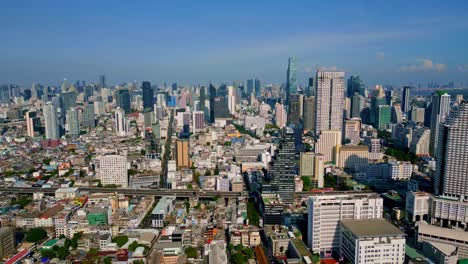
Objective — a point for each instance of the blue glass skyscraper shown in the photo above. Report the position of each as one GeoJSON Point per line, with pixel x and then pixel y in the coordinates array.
{"type": "Point", "coordinates": [291, 85]}
{"type": "Point", "coordinates": [148, 96]}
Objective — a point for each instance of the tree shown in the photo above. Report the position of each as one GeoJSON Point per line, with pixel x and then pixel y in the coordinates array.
{"type": "Point", "coordinates": [189, 186]}
{"type": "Point", "coordinates": [35, 234]}
{"type": "Point", "coordinates": [216, 170]}
{"type": "Point", "coordinates": [307, 185]}
{"type": "Point", "coordinates": [48, 254]}
{"type": "Point", "coordinates": [191, 252]}
{"type": "Point", "coordinates": [107, 260]}
{"type": "Point", "coordinates": [62, 253]}
{"type": "Point", "coordinates": [208, 173]}
{"type": "Point", "coordinates": [143, 152]}
{"type": "Point", "coordinates": [133, 246]}
{"type": "Point", "coordinates": [187, 206]}
{"type": "Point", "coordinates": [120, 240]}
{"type": "Point", "coordinates": [238, 258]}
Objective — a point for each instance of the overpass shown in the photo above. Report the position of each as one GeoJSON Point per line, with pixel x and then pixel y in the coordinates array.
{"type": "Point", "coordinates": [133, 191]}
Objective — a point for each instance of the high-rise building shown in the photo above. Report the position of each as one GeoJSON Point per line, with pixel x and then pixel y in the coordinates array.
{"type": "Point", "coordinates": [231, 99]}
{"type": "Point", "coordinates": [325, 211]}
{"type": "Point", "coordinates": [420, 142]}
{"type": "Point", "coordinates": [283, 170]}
{"type": "Point", "coordinates": [121, 123]}
{"type": "Point", "coordinates": [291, 85]}
{"type": "Point", "coordinates": [123, 99]}
{"type": "Point", "coordinates": [198, 121]}
{"type": "Point", "coordinates": [51, 121]}
{"type": "Point", "coordinates": [183, 154]}
{"type": "Point", "coordinates": [102, 81]}
{"type": "Point", "coordinates": [4, 94]}
{"type": "Point", "coordinates": [67, 100]}
{"type": "Point", "coordinates": [355, 85]}
{"type": "Point", "coordinates": [397, 114]}
{"type": "Point", "coordinates": [73, 124]}
{"type": "Point", "coordinates": [33, 123]}
{"type": "Point", "coordinates": [440, 111]}
{"type": "Point", "coordinates": [220, 108]}
{"type": "Point", "coordinates": [417, 114]}
{"type": "Point", "coordinates": [329, 144]}
{"type": "Point", "coordinates": [310, 88]}
{"type": "Point", "coordinates": [357, 104]}
{"type": "Point", "coordinates": [88, 116]}
{"type": "Point", "coordinates": [113, 170]}
{"type": "Point", "coordinates": [352, 130]}
{"type": "Point", "coordinates": [329, 104]}
{"type": "Point", "coordinates": [309, 113]}
{"type": "Point", "coordinates": [384, 114]}
{"type": "Point", "coordinates": [258, 87]}
{"type": "Point", "coordinates": [452, 155]}
{"type": "Point", "coordinates": [371, 241]}
{"type": "Point", "coordinates": [7, 242]}
{"type": "Point", "coordinates": [312, 166]}
{"type": "Point", "coordinates": [148, 96]}
{"type": "Point", "coordinates": [294, 114]}
{"type": "Point", "coordinates": [405, 99]}
{"type": "Point", "coordinates": [250, 87]}
{"type": "Point", "coordinates": [212, 103]}
{"type": "Point", "coordinates": [280, 115]}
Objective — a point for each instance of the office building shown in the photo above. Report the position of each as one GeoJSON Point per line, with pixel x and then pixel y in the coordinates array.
{"type": "Point", "coordinates": [417, 114]}
{"type": "Point", "coordinates": [357, 104]}
{"type": "Point", "coordinates": [51, 121]}
{"type": "Point", "coordinates": [405, 99]}
{"type": "Point", "coordinates": [88, 116]}
{"type": "Point", "coordinates": [329, 101]}
{"type": "Point", "coordinates": [102, 81]}
{"type": "Point", "coordinates": [384, 113]}
{"type": "Point", "coordinates": [400, 170]}
{"type": "Point", "coordinates": [7, 242]}
{"type": "Point", "coordinates": [212, 103]}
{"type": "Point", "coordinates": [452, 156]}
{"type": "Point", "coordinates": [250, 87]}
{"type": "Point", "coordinates": [121, 123]}
{"type": "Point", "coordinates": [272, 209]}
{"type": "Point", "coordinates": [113, 170]}
{"type": "Point", "coordinates": [449, 212]}
{"type": "Point", "coordinates": [291, 85]}
{"type": "Point", "coordinates": [258, 87]}
{"type": "Point", "coordinates": [372, 241]}
{"type": "Point", "coordinates": [73, 124]}
{"type": "Point", "coordinates": [4, 94]}
{"type": "Point", "coordinates": [355, 86]}
{"type": "Point", "coordinates": [440, 111]}
{"type": "Point", "coordinates": [33, 123]}
{"type": "Point", "coordinates": [352, 130]}
{"type": "Point", "coordinates": [418, 206]}
{"type": "Point", "coordinates": [148, 96]}
{"type": "Point", "coordinates": [220, 108]}
{"type": "Point", "coordinates": [280, 115]}
{"type": "Point", "coordinates": [312, 166]}
{"type": "Point", "coordinates": [329, 144]}
{"type": "Point", "coordinates": [397, 114]}
{"type": "Point", "coordinates": [198, 121]}
{"type": "Point", "coordinates": [294, 114]}
{"type": "Point", "coordinates": [448, 236]}
{"type": "Point", "coordinates": [183, 154]}
{"type": "Point", "coordinates": [283, 169]}
{"type": "Point", "coordinates": [231, 98]}
{"type": "Point", "coordinates": [420, 142]}
{"type": "Point", "coordinates": [123, 99]}
{"type": "Point", "coordinates": [325, 211]}
{"type": "Point", "coordinates": [352, 157]}
{"type": "Point", "coordinates": [309, 113]}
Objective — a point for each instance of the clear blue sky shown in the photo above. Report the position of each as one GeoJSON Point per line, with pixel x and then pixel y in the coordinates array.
{"type": "Point", "coordinates": [385, 42]}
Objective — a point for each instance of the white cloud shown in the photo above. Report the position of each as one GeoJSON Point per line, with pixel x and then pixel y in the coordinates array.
{"type": "Point", "coordinates": [380, 55]}
{"type": "Point", "coordinates": [463, 68]}
{"type": "Point", "coordinates": [424, 65]}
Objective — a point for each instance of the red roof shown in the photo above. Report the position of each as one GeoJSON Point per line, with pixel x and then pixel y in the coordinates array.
{"type": "Point", "coordinates": [18, 257]}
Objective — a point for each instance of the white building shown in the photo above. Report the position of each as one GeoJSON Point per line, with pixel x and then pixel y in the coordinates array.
{"type": "Point", "coordinates": [51, 121]}
{"type": "Point", "coordinates": [329, 144]}
{"type": "Point", "coordinates": [113, 170]}
{"type": "Point", "coordinates": [121, 123]}
{"type": "Point", "coordinates": [164, 206]}
{"type": "Point", "coordinates": [400, 170]}
{"type": "Point", "coordinates": [326, 210]}
{"type": "Point", "coordinates": [418, 206]}
{"type": "Point", "coordinates": [329, 104]}
{"type": "Point", "coordinates": [372, 241]}
{"type": "Point", "coordinates": [198, 121]}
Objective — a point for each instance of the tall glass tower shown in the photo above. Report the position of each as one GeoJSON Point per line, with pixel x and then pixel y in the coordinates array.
{"type": "Point", "coordinates": [440, 111]}
{"type": "Point", "coordinates": [291, 85]}
{"type": "Point", "coordinates": [148, 96]}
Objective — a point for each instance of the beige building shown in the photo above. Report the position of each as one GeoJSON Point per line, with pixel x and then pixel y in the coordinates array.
{"type": "Point", "coordinates": [354, 157]}
{"type": "Point", "coordinates": [183, 155]}
{"type": "Point", "coordinates": [454, 237]}
{"type": "Point", "coordinates": [329, 144]}
{"type": "Point", "coordinates": [352, 130]}
{"type": "Point", "coordinates": [312, 165]}
{"type": "Point", "coordinates": [7, 242]}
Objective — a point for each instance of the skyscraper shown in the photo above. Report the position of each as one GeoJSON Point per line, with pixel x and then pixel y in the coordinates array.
{"type": "Point", "coordinates": [284, 168]}
{"type": "Point", "coordinates": [312, 166]}
{"type": "Point", "coordinates": [51, 121]}
{"type": "Point", "coordinates": [73, 123]}
{"type": "Point", "coordinates": [440, 111]}
{"type": "Point", "coordinates": [384, 113]}
{"type": "Point", "coordinates": [258, 87]}
{"type": "Point", "coordinates": [294, 114]}
{"type": "Point", "coordinates": [102, 81]}
{"type": "Point", "coordinates": [33, 123]}
{"type": "Point", "coordinates": [309, 113]}
{"type": "Point", "coordinates": [88, 116]}
{"type": "Point", "coordinates": [121, 123]}
{"type": "Point", "coordinates": [329, 144]}
{"type": "Point", "coordinates": [355, 85]}
{"type": "Point", "coordinates": [123, 99]}
{"type": "Point", "coordinates": [405, 99]}
{"type": "Point", "coordinates": [67, 100]}
{"type": "Point", "coordinates": [329, 104]}
{"type": "Point", "coordinates": [4, 94]}
{"type": "Point", "coordinates": [212, 103]}
{"type": "Point", "coordinates": [148, 96]}
{"type": "Point", "coordinates": [232, 99]}
{"type": "Point", "coordinates": [356, 105]}
{"type": "Point", "coordinates": [280, 115]}
{"type": "Point", "coordinates": [198, 121]}
{"type": "Point", "coordinates": [250, 87]}
{"type": "Point", "coordinates": [452, 155]}
{"type": "Point", "coordinates": [291, 85]}
{"type": "Point", "coordinates": [220, 108]}
{"type": "Point", "coordinates": [113, 170]}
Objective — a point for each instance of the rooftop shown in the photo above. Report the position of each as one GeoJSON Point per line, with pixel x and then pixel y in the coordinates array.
{"type": "Point", "coordinates": [372, 227]}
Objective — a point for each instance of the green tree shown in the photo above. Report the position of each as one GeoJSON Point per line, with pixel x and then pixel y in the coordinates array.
{"type": "Point", "coordinates": [120, 240]}
{"type": "Point", "coordinates": [143, 152]}
{"type": "Point", "coordinates": [216, 170]}
{"type": "Point", "coordinates": [48, 254]}
{"type": "Point", "coordinates": [191, 252]}
{"type": "Point", "coordinates": [107, 260]}
{"type": "Point", "coordinates": [189, 186]}
{"type": "Point", "coordinates": [62, 253]}
{"type": "Point", "coordinates": [238, 258]}
{"type": "Point", "coordinates": [208, 173]}
{"type": "Point", "coordinates": [35, 234]}
{"type": "Point", "coordinates": [133, 246]}
{"type": "Point", "coordinates": [307, 183]}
